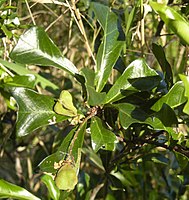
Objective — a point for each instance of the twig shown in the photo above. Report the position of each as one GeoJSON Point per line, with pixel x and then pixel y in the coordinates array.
{"type": "Point", "coordinates": [93, 112]}
{"type": "Point", "coordinates": [79, 22]}
{"type": "Point", "coordinates": [33, 20]}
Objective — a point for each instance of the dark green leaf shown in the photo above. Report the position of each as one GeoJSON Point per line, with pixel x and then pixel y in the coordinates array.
{"type": "Point", "coordinates": [129, 114]}
{"type": "Point", "coordinates": [182, 160]}
{"type": "Point", "coordinates": [101, 137]}
{"type": "Point", "coordinates": [160, 56]}
{"type": "Point", "coordinates": [173, 98]}
{"type": "Point", "coordinates": [50, 184]}
{"type": "Point", "coordinates": [9, 190]}
{"type": "Point", "coordinates": [110, 47]}
{"type": "Point", "coordinates": [35, 47]}
{"type": "Point", "coordinates": [157, 158]}
{"type": "Point", "coordinates": [93, 157]}
{"type": "Point", "coordinates": [137, 69]}
{"type": "Point", "coordinates": [173, 20]}
{"type": "Point", "coordinates": [167, 116]}
{"type": "Point", "coordinates": [35, 110]}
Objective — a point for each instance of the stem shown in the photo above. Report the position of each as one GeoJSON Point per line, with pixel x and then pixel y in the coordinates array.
{"type": "Point", "coordinates": [92, 114]}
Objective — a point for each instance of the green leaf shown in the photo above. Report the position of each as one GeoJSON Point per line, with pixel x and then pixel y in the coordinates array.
{"type": "Point", "coordinates": [101, 137]}
{"type": "Point", "coordinates": [27, 81]}
{"type": "Point", "coordinates": [173, 98]}
{"type": "Point", "coordinates": [185, 80]}
{"type": "Point", "coordinates": [128, 83]}
{"type": "Point", "coordinates": [167, 116]}
{"type": "Point", "coordinates": [173, 20]}
{"type": "Point", "coordinates": [21, 70]}
{"type": "Point", "coordinates": [64, 105]}
{"type": "Point", "coordinates": [47, 165]}
{"type": "Point", "coordinates": [50, 184]}
{"type": "Point", "coordinates": [130, 114]}
{"type": "Point", "coordinates": [95, 98]}
{"type": "Point", "coordinates": [93, 157]}
{"type": "Point", "coordinates": [160, 56]}
{"type": "Point", "coordinates": [35, 110]}
{"type": "Point", "coordinates": [110, 47]}
{"type": "Point", "coordinates": [89, 75]}
{"type": "Point", "coordinates": [9, 190]}
{"type": "Point", "coordinates": [35, 47]}
{"type": "Point", "coordinates": [156, 158]}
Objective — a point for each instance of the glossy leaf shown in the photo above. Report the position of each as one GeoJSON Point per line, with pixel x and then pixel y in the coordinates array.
{"type": "Point", "coordinates": [101, 137]}
{"type": "Point", "coordinates": [50, 184]}
{"type": "Point", "coordinates": [111, 45]}
{"type": "Point", "coordinates": [9, 190]}
{"type": "Point", "coordinates": [173, 98]}
{"type": "Point", "coordinates": [185, 80]}
{"type": "Point", "coordinates": [160, 56]}
{"type": "Point", "coordinates": [127, 82]}
{"type": "Point", "coordinates": [27, 81]}
{"type": "Point", "coordinates": [64, 105]}
{"type": "Point", "coordinates": [173, 20]}
{"type": "Point", "coordinates": [21, 70]}
{"type": "Point", "coordinates": [35, 47]}
{"type": "Point", "coordinates": [130, 114]}
{"type": "Point", "coordinates": [34, 111]}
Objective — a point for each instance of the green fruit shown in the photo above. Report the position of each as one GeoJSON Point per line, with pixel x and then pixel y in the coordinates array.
{"type": "Point", "coordinates": [66, 178]}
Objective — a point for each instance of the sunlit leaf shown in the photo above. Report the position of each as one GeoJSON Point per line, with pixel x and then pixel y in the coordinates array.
{"type": "Point", "coordinates": [128, 82]}
{"type": "Point", "coordinates": [27, 81]}
{"type": "Point", "coordinates": [34, 110]}
{"type": "Point", "coordinates": [35, 47]}
{"type": "Point", "coordinates": [173, 20]}
{"type": "Point", "coordinates": [50, 184]}
{"type": "Point", "coordinates": [21, 70]}
{"type": "Point", "coordinates": [111, 45]}
{"type": "Point", "coordinates": [9, 190]}
{"type": "Point", "coordinates": [185, 80]}
{"type": "Point", "coordinates": [173, 98]}
{"type": "Point", "coordinates": [101, 137]}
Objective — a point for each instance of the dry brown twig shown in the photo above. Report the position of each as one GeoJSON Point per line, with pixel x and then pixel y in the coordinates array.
{"type": "Point", "coordinates": [77, 17]}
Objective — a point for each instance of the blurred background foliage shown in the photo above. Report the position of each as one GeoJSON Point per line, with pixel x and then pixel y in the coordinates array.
{"type": "Point", "coordinates": [142, 176]}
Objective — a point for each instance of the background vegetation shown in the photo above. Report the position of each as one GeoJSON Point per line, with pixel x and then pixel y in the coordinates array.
{"type": "Point", "coordinates": [144, 158]}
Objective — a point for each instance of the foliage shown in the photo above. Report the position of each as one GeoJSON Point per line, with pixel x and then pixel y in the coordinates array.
{"type": "Point", "coordinates": [118, 125]}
